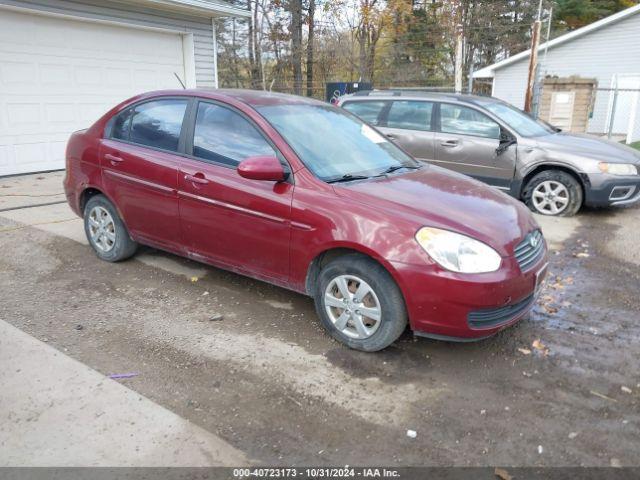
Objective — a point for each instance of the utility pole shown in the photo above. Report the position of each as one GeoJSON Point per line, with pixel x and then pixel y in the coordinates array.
{"type": "Point", "coordinates": [533, 61]}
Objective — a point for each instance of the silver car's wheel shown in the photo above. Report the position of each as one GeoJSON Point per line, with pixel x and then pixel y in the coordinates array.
{"type": "Point", "coordinates": [352, 306]}
{"type": "Point", "coordinates": [550, 197]}
{"type": "Point", "coordinates": [553, 192]}
{"type": "Point", "coordinates": [102, 229]}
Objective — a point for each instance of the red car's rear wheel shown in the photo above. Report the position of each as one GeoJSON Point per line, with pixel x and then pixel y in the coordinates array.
{"type": "Point", "coordinates": [106, 232]}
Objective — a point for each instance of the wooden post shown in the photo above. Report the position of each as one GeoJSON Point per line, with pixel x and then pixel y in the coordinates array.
{"type": "Point", "coordinates": [533, 64]}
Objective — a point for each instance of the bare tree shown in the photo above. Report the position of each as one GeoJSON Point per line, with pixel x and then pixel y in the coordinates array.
{"type": "Point", "coordinates": [295, 45]}
{"type": "Point", "coordinates": [255, 52]}
{"type": "Point", "coordinates": [311, 12]}
{"type": "Point", "coordinates": [295, 8]}
{"type": "Point", "coordinates": [367, 35]}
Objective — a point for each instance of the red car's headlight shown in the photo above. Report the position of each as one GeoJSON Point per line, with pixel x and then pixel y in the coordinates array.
{"type": "Point", "coordinates": [456, 252]}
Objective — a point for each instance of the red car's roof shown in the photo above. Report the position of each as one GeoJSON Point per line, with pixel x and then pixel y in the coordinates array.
{"type": "Point", "coordinates": [254, 98]}
{"type": "Point", "coordinates": [260, 97]}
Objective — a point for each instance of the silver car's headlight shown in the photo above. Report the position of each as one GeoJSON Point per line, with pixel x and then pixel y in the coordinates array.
{"type": "Point", "coordinates": [458, 253]}
{"type": "Point", "coordinates": [618, 168]}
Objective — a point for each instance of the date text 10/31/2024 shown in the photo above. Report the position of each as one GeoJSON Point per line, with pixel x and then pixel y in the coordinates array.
{"type": "Point", "coordinates": [317, 472]}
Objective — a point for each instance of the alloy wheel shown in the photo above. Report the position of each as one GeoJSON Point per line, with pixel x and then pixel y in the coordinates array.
{"type": "Point", "coordinates": [550, 197]}
{"type": "Point", "coordinates": [102, 229]}
{"type": "Point", "coordinates": [352, 306]}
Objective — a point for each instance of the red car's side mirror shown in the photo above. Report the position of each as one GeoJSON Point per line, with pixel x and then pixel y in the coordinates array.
{"type": "Point", "coordinates": [262, 168]}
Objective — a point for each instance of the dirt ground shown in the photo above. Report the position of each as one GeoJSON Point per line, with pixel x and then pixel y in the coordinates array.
{"type": "Point", "coordinates": [268, 380]}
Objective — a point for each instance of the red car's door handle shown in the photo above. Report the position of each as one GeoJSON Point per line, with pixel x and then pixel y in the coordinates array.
{"type": "Point", "coordinates": [197, 178]}
{"type": "Point", "coordinates": [114, 159]}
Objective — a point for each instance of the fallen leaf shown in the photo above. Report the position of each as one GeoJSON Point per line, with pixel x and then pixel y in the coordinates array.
{"type": "Point", "coordinates": [626, 389]}
{"type": "Point", "coordinates": [194, 279]}
{"type": "Point", "coordinates": [541, 347]}
{"type": "Point", "coordinates": [581, 255]}
{"type": "Point", "coordinates": [550, 309]}
{"type": "Point", "coordinates": [524, 351]}
{"type": "Point", "coordinates": [502, 473]}
{"type": "Point", "coordinates": [572, 435]}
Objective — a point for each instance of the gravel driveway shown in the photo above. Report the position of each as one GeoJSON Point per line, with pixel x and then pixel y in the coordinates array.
{"type": "Point", "coordinates": [250, 362]}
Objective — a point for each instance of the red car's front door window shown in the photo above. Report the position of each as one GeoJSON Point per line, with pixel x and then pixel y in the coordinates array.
{"type": "Point", "coordinates": [229, 219]}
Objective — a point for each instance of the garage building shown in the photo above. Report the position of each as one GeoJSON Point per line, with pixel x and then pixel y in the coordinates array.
{"type": "Point", "coordinates": [64, 63]}
{"type": "Point", "coordinates": [606, 50]}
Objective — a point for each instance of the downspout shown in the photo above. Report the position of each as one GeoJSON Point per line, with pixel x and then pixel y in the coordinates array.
{"type": "Point", "coordinates": [215, 52]}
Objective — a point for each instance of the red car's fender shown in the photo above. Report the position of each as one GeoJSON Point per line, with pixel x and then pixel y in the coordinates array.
{"type": "Point", "coordinates": [322, 223]}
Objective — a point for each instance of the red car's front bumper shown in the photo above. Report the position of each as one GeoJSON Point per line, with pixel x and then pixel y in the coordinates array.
{"type": "Point", "coordinates": [444, 304]}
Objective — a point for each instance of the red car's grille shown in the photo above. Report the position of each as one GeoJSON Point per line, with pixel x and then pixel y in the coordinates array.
{"type": "Point", "coordinates": [529, 250]}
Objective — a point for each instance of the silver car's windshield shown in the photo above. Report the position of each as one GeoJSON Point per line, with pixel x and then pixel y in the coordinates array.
{"type": "Point", "coordinates": [522, 123]}
{"type": "Point", "coordinates": [334, 144]}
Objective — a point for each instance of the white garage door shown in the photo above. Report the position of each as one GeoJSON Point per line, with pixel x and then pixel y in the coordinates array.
{"type": "Point", "coordinates": [58, 75]}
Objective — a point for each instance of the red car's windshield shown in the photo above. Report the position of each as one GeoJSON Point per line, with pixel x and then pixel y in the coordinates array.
{"type": "Point", "coordinates": [334, 144]}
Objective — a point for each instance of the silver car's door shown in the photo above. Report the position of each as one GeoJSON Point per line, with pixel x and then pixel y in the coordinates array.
{"type": "Point", "coordinates": [409, 123]}
{"type": "Point", "coordinates": [467, 141]}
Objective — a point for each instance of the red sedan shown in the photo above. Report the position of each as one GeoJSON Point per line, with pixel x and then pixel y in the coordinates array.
{"type": "Point", "coordinates": [304, 195]}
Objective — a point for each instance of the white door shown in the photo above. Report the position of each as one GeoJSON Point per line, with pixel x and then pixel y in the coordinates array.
{"type": "Point", "coordinates": [561, 111]}
{"type": "Point", "coordinates": [59, 75]}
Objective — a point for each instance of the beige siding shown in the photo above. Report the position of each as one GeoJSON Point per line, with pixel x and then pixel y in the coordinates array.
{"type": "Point", "coordinates": [582, 89]}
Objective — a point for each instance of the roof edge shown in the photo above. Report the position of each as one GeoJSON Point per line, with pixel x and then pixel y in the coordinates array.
{"type": "Point", "coordinates": [212, 9]}
{"type": "Point", "coordinates": [488, 71]}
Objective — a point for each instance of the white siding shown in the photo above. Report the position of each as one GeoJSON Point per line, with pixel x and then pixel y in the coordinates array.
{"type": "Point", "coordinates": [614, 49]}
{"type": "Point", "coordinates": [200, 27]}
{"type": "Point", "coordinates": [58, 75]}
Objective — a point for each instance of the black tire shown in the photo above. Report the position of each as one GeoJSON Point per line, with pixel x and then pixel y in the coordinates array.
{"type": "Point", "coordinates": [123, 247]}
{"type": "Point", "coordinates": [393, 319]}
{"type": "Point", "coordinates": [572, 186]}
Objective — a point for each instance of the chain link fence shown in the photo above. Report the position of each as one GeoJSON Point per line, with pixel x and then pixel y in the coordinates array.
{"type": "Point", "coordinates": [616, 114]}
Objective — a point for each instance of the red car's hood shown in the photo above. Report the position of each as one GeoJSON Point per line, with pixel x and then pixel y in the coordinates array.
{"type": "Point", "coordinates": [436, 197]}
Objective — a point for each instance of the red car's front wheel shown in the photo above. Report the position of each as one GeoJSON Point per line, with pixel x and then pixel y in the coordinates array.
{"type": "Point", "coordinates": [360, 304]}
